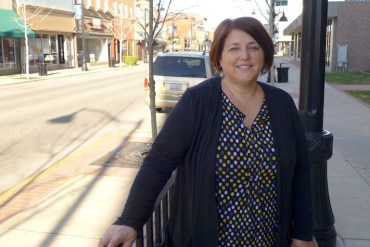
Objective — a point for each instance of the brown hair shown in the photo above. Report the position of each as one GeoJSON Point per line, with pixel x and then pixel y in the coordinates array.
{"type": "Point", "coordinates": [249, 25]}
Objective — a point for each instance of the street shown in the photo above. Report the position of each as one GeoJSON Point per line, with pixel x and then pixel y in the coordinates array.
{"type": "Point", "coordinates": [43, 122]}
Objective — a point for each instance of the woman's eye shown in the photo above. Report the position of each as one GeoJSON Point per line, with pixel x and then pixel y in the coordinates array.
{"type": "Point", "coordinates": [254, 48]}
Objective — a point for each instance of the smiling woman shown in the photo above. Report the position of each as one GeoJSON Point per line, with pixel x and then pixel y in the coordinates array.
{"type": "Point", "coordinates": [240, 155]}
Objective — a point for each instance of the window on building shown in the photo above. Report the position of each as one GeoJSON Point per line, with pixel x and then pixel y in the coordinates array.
{"type": "Point", "coordinates": [292, 46]}
{"type": "Point", "coordinates": [53, 56]}
{"type": "Point", "coordinates": [7, 53]}
{"type": "Point", "coordinates": [120, 9]}
{"type": "Point", "coordinates": [329, 28]}
{"type": "Point", "coordinates": [97, 4]}
{"type": "Point", "coordinates": [106, 5]}
{"type": "Point", "coordinates": [299, 45]}
{"type": "Point", "coordinates": [43, 49]}
{"type": "Point", "coordinates": [131, 15]}
{"type": "Point", "coordinates": [88, 3]}
{"type": "Point", "coordinates": [114, 7]}
{"type": "Point", "coordinates": [125, 13]}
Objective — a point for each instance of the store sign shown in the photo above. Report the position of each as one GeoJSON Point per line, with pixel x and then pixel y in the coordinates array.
{"type": "Point", "coordinates": [281, 2]}
{"type": "Point", "coordinates": [61, 49]}
{"type": "Point", "coordinates": [96, 23]}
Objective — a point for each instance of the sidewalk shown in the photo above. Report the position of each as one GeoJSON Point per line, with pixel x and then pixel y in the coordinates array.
{"type": "Point", "coordinates": [74, 201]}
{"type": "Point", "coordinates": [22, 78]}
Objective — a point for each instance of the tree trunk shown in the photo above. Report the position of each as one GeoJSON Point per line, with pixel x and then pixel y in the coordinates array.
{"type": "Point", "coordinates": [153, 112]}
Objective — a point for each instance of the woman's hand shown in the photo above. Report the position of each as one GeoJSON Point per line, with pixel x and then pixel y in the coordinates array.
{"type": "Point", "coordinates": [116, 235]}
{"type": "Point", "coordinates": [301, 243]}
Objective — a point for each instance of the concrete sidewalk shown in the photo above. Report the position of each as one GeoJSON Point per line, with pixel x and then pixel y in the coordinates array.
{"type": "Point", "coordinates": [74, 201]}
{"type": "Point", "coordinates": [348, 120]}
{"type": "Point", "coordinates": [96, 68]}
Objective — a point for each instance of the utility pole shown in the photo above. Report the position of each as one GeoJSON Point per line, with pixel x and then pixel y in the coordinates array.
{"type": "Point", "coordinates": [79, 18]}
{"type": "Point", "coordinates": [84, 65]}
{"type": "Point", "coordinates": [271, 31]}
{"type": "Point", "coordinates": [311, 109]}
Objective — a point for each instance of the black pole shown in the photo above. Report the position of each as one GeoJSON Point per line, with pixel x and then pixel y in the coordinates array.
{"type": "Point", "coordinates": [84, 64]}
{"type": "Point", "coordinates": [311, 108]}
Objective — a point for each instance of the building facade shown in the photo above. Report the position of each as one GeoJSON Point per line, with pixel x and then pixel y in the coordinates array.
{"type": "Point", "coordinates": [347, 36]}
{"type": "Point", "coordinates": [53, 25]}
{"type": "Point", "coordinates": [69, 33]}
{"type": "Point", "coordinates": [13, 32]}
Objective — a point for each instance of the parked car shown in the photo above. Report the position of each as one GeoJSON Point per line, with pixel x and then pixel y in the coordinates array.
{"type": "Point", "coordinates": [174, 72]}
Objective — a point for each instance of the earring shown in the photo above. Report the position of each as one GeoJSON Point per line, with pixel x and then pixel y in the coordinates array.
{"type": "Point", "coordinates": [222, 75]}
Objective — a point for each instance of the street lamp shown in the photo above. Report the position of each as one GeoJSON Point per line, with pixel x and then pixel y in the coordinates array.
{"type": "Point", "coordinates": [79, 17]}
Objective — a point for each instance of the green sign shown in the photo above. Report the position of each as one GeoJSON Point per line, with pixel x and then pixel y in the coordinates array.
{"type": "Point", "coordinates": [281, 2]}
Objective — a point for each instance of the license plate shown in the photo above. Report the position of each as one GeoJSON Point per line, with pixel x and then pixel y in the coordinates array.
{"type": "Point", "coordinates": [175, 86]}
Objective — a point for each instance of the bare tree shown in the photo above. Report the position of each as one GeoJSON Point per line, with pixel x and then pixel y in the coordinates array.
{"type": "Point", "coordinates": [121, 27]}
{"type": "Point", "coordinates": [24, 5]}
{"type": "Point", "coordinates": [159, 14]}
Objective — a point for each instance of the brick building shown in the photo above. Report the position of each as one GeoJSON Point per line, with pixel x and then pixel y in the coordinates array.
{"type": "Point", "coordinates": [347, 37]}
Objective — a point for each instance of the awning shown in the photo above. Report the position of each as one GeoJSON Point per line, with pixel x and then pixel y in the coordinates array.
{"type": "Point", "coordinates": [12, 26]}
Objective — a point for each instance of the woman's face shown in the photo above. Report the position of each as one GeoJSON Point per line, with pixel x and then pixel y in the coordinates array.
{"type": "Point", "coordinates": [242, 58]}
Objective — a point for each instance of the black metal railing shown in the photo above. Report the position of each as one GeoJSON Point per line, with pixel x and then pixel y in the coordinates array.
{"type": "Point", "coordinates": [152, 234]}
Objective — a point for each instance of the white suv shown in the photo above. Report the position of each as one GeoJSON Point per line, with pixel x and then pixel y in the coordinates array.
{"type": "Point", "coordinates": [174, 72]}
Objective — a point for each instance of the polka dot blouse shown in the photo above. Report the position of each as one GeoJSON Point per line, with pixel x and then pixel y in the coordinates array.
{"type": "Point", "coordinates": [246, 175]}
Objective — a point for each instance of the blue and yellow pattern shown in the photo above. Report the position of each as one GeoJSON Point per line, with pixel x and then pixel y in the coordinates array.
{"type": "Point", "coordinates": [246, 178]}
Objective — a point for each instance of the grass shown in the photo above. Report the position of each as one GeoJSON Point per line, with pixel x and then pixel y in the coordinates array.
{"type": "Point", "coordinates": [348, 78]}
{"type": "Point", "coordinates": [364, 96]}
{"type": "Point", "coordinates": [352, 78]}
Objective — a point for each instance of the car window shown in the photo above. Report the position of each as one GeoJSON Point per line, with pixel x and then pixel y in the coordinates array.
{"type": "Point", "coordinates": [180, 66]}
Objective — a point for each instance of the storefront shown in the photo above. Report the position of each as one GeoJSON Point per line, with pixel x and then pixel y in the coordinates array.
{"type": "Point", "coordinates": [11, 36]}
{"type": "Point", "coordinates": [97, 34]}
{"type": "Point", "coordinates": [52, 43]}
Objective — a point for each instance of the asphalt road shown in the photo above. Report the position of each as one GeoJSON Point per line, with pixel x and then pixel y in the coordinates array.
{"type": "Point", "coordinates": [42, 122]}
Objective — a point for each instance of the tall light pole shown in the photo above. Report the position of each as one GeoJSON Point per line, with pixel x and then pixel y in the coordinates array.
{"type": "Point", "coordinates": [311, 109]}
{"type": "Point", "coordinates": [271, 32]}
{"type": "Point", "coordinates": [79, 17]}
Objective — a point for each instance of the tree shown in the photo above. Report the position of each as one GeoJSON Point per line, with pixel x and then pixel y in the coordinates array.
{"type": "Point", "coordinates": [121, 27]}
{"type": "Point", "coordinates": [24, 5]}
{"type": "Point", "coordinates": [158, 15]}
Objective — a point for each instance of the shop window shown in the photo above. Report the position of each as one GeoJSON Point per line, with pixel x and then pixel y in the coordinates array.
{"type": "Point", "coordinates": [31, 52]}
{"type": "Point", "coordinates": [53, 56]}
{"type": "Point", "coordinates": [114, 7]}
{"type": "Point", "coordinates": [106, 7]}
{"type": "Point", "coordinates": [7, 53]}
{"type": "Point", "coordinates": [43, 49]}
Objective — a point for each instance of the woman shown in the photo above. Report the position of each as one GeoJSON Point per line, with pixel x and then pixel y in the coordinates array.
{"type": "Point", "coordinates": [243, 176]}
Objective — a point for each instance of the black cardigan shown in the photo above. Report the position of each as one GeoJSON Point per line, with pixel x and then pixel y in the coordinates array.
{"type": "Point", "coordinates": [188, 142]}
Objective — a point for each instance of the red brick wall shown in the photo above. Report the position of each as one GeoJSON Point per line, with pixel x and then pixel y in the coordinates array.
{"type": "Point", "coordinates": [353, 28]}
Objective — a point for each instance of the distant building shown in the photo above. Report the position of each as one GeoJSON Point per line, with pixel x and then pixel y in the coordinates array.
{"type": "Point", "coordinates": [347, 36]}
{"type": "Point", "coordinates": [12, 36]}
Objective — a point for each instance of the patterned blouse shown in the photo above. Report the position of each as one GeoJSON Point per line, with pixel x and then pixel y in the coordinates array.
{"type": "Point", "coordinates": [246, 178]}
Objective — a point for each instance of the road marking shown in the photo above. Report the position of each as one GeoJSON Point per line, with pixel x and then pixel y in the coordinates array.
{"type": "Point", "coordinates": [51, 168]}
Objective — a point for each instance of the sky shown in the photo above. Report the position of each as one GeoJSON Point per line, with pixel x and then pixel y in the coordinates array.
{"type": "Point", "coordinates": [217, 10]}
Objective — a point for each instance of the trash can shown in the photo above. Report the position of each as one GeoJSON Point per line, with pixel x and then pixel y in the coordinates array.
{"type": "Point", "coordinates": [111, 62]}
{"type": "Point", "coordinates": [282, 73]}
{"type": "Point", "coordinates": [43, 70]}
